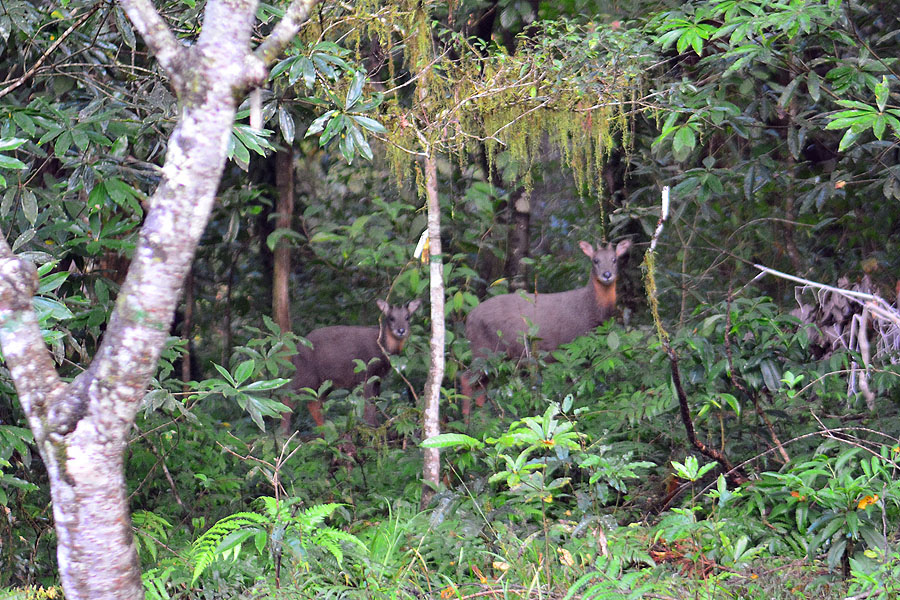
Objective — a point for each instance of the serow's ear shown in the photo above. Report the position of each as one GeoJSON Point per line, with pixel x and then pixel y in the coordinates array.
{"type": "Point", "coordinates": [413, 305]}
{"type": "Point", "coordinates": [623, 247]}
{"type": "Point", "coordinates": [587, 249]}
{"type": "Point", "coordinates": [384, 306]}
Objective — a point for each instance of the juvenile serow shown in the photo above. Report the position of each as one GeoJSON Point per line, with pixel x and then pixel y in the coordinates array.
{"type": "Point", "coordinates": [335, 350]}
{"type": "Point", "coordinates": [501, 324]}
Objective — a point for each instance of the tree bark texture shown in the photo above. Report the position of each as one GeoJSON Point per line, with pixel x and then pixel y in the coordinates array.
{"type": "Point", "coordinates": [81, 428]}
{"type": "Point", "coordinates": [431, 415]}
{"type": "Point", "coordinates": [518, 240]}
{"type": "Point", "coordinates": [284, 207]}
{"type": "Point", "coordinates": [281, 271]}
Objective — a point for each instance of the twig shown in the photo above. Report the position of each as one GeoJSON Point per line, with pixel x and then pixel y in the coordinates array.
{"type": "Point", "coordinates": [37, 65]}
{"type": "Point", "coordinates": [734, 474]}
{"type": "Point", "coordinates": [740, 386]}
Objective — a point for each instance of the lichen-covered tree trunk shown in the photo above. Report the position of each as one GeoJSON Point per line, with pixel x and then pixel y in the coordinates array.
{"type": "Point", "coordinates": [81, 428]}
{"type": "Point", "coordinates": [431, 417]}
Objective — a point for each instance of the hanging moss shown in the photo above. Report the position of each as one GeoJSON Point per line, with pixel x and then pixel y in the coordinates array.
{"type": "Point", "coordinates": [500, 102]}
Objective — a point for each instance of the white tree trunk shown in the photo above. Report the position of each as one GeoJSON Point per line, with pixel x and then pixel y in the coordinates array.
{"type": "Point", "coordinates": [81, 428]}
{"type": "Point", "coordinates": [431, 418]}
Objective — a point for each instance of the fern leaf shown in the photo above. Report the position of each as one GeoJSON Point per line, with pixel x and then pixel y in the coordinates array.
{"type": "Point", "coordinates": [206, 548]}
{"type": "Point", "coordinates": [314, 515]}
{"type": "Point", "coordinates": [332, 546]}
{"type": "Point", "coordinates": [344, 536]}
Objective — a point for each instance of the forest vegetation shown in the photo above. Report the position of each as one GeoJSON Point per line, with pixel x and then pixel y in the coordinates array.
{"type": "Point", "coordinates": [189, 187]}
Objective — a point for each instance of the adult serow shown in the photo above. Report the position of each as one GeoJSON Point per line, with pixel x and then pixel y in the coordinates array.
{"type": "Point", "coordinates": [502, 323]}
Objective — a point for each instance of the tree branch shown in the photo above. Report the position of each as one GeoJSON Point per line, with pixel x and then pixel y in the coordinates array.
{"type": "Point", "coordinates": [24, 349]}
{"type": "Point", "coordinates": [734, 474]}
{"type": "Point", "coordinates": [284, 31]}
{"type": "Point", "coordinates": [156, 33]}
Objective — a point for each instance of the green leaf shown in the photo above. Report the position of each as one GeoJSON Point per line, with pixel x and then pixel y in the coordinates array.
{"type": "Point", "coordinates": [52, 281]}
{"type": "Point", "coordinates": [612, 340]}
{"type": "Point", "coordinates": [849, 139]}
{"type": "Point", "coordinates": [370, 124]}
{"type": "Point", "coordinates": [334, 127]}
{"type": "Point", "coordinates": [244, 371]}
{"type": "Point", "coordinates": [347, 147]}
{"type": "Point", "coordinates": [355, 91]}
{"type": "Point", "coordinates": [224, 372]}
{"type": "Point", "coordinates": [788, 92]}
{"type": "Point", "coordinates": [286, 123]}
{"type": "Point", "coordinates": [360, 141]}
{"type": "Point", "coordinates": [266, 385]}
{"type": "Point", "coordinates": [325, 236]}
{"type": "Point", "coordinates": [10, 143]}
{"type": "Point", "coordinates": [124, 28]}
{"type": "Point", "coordinates": [297, 70]}
{"type": "Point", "coordinates": [81, 139]}
{"type": "Point", "coordinates": [771, 374]}
{"type": "Point", "coordinates": [47, 308]}
{"type": "Point", "coordinates": [281, 233]}
{"type": "Point", "coordinates": [813, 83]}
{"type": "Point", "coordinates": [451, 440]}
{"type": "Point", "coordinates": [8, 162]}
{"type": "Point", "coordinates": [878, 126]}
{"type": "Point", "coordinates": [25, 123]}
{"type": "Point", "coordinates": [119, 147]}
{"type": "Point", "coordinates": [319, 124]}
{"type": "Point", "coordinates": [253, 139]}
{"type": "Point", "coordinates": [684, 142]}
{"type": "Point", "coordinates": [62, 145]}
{"type": "Point", "coordinates": [282, 66]}
{"type": "Point", "coordinates": [309, 72]}
{"type": "Point", "coordinates": [882, 92]}
{"type": "Point", "coordinates": [24, 237]}
{"type": "Point", "coordinates": [50, 135]}
{"type": "Point", "coordinates": [669, 38]}
{"type": "Point", "coordinates": [239, 152]}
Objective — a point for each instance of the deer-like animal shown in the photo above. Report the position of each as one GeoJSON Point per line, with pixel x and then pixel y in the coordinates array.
{"type": "Point", "coordinates": [502, 323]}
{"type": "Point", "coordinates": [335, 350]}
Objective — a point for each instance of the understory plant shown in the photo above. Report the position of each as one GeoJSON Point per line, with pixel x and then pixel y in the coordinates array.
{"type": "Point", "coordinates": [280, 528]}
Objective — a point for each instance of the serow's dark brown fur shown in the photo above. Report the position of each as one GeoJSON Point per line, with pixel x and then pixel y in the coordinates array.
{"type": "Point", "coordinates": [502, 323]}
{"type": "Point", "coordinates": [335, 350]}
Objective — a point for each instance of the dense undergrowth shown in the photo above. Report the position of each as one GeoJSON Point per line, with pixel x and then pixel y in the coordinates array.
{"type": "Point", "coordinates": [772, 122]}
{"type": "Point", "coordinates": [574, 481]}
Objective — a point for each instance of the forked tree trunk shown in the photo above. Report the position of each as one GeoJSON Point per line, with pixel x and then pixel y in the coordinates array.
{"type": "Point", "coordinates": [431, 417]}
{"type": "Point", "coordinates": [81, 428]}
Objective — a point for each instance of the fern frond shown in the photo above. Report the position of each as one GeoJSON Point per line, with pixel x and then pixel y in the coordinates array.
{"type": "Point", "coordinates": [343, 536]}
{"type": "Point", "coordinates": [332, 546]}
{"type": "Point", "coordinates": [314, 515]}
{"type": "Point", "coordinates": [205, 549]}
{"type": "Point", "coordinates": [269, 506]}
{"type": "Point", "coordinates": [151, 522]}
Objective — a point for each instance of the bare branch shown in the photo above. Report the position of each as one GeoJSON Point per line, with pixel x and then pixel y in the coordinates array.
{"type": "Point", "coordinates": [860, 296]}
